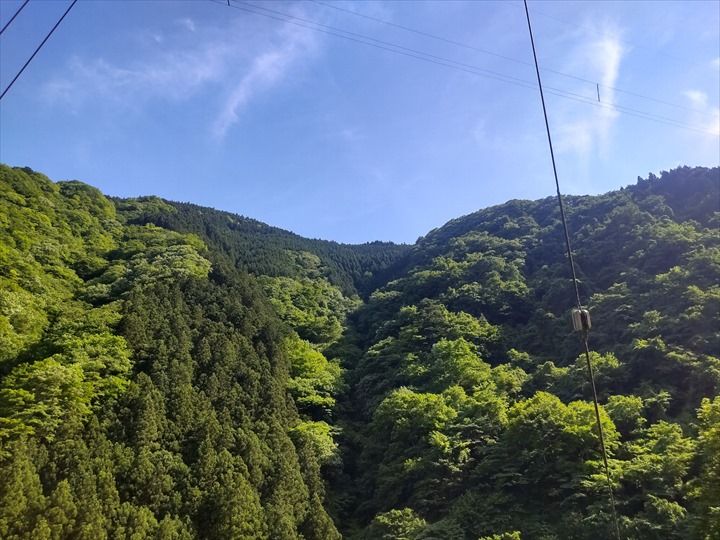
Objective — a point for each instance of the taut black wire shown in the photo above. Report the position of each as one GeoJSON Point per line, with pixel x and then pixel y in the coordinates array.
{"type": "Point", "coordinates": [38, 49]}
{"type": "Point", "coordinates": [433, 59]}
{"type": "Point", "coordinates": [13, 17]}
{"type": "Point", "coordinates": [552, 158]}
{"type": "Point", "coordinates": [575, 283]}
{"type": "Point", "coordinates": [498, 55]}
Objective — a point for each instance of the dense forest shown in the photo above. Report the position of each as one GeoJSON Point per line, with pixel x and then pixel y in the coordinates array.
{"type": "Point", "coordinates": [170, 371]}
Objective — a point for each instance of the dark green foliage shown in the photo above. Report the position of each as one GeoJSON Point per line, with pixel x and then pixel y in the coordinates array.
{"type": "Point", "coordinates": [142, 397]}
{"type": "Point", "coordinates": [467, 402]}
{"type": "Point", "coordinates": [260, 249]}
{"type": "Point", "coordinates": [175, 372]}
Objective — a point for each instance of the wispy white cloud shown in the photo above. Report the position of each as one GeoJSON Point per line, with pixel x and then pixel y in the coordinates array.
{"type": "Point", "coordinates": [235, 62]}
{"type": "Point", "coordinates": [266, 70]}
{"type": "Point", "coordinates": [351, 134]}
{"type": "Point", "coordinates": [703, 115]}
{"type": "Point", "coordinates": [172, 75]}
{"type": "Point", "coordinates": [713, 122]}
{"type": "Point", "coordinates": [187, 23]}
{"type": "Point", "coordinates": [489, 139]}
{"type": "Point", "coordinates": [581, 128]}
{"type": "Point", "coordinates": [696, 98]}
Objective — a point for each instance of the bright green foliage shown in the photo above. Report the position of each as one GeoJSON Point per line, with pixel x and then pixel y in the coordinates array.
{"type": "Point", "coordinates": [313, 379]}
{"type": "Point", "coordinates": [477, 321]}
{"type": "Point", "coordinates": [707, 491]}
{"type": "Point", "coordinates": [515, 535]}
{"type": "Point", "coordinates": [22, 320]}
{"type": "Point", "coordinates": [49, 235]}
{"type": "Point", "coordinates": [405, 414]}
{"type": "Point", "coordinates": [314, 308]}
{"type": "Point", "coordinates": [151, 388]}
{"type": "Point", "coordinates": [104, 358]}
{"type": "Point", "coordinates": [141, 396]}
{"type": "Point", "coordinates": [148, 254]}
{"type": "Point", "coordinates": [654, 478]}
{"type": "Point", "coordinates": [37, 398]}
{"type": "Point", "coordinates": [456, 363]}
{"type": "Point", "coordinates": [396, 525]}
{"type": "Point", "coordinates": [318, 436]}
{"type": "Point", "coordinates": [626, 413]}
{"type": "Point", "coordinates": [547, 452]}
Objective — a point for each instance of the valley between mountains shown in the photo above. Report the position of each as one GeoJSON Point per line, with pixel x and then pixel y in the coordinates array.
{"type": "Point", "coordinates": [170, 371]}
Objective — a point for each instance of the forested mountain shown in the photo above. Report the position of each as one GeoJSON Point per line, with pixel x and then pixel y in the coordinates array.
{"type": "Point", "coordinates": [467, 411]}
{"type": "Point", "coordinates": [144, 392]}
{"type": "Point", "coordinates": [260, 249]}
{"type": "Point", "coordinates": [172, 371]}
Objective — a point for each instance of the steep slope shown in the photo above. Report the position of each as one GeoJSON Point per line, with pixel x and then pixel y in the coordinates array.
{"type": "Point", "coordinates": [172, 371]}
{"type": "Point", "coordinates": [260, 249]}
{"type": "Point", "coordinates": [467, 412]}
{"type": "Point", "coordinates": [143, 393]}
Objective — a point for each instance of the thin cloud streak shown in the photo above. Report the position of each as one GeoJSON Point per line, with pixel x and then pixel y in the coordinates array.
{"type": "Point", "coordinates": [584, 129]}
{"type": "Point", "coordinates": [239, 70]}
{"type": "Point", "coordinates": [706, 116]}
{"type": "Point", "coordinates": [188, 23]}
{"type": "Point", "coordinates": [267, 69]}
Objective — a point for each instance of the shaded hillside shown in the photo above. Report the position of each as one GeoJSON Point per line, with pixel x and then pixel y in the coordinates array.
{"type": "Point", "coordinates": [260, 249]}
{"type": "Point", "coordinates": [172, 371]}
{"type": "Point", "coordinates": [467, 407]}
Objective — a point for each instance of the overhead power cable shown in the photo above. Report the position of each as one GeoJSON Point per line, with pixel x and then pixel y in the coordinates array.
{"type": "Point", "coordinates": [633, 44]}
{"type": "Point", "coordinates": [13, 17]}
{"type": "Point", "coordinates": [446, 62]}
{"type": "Point", "coordinates": [585, 321]}
{"type": "Point", "coordinates": [50, 33]}
{"type": "Point", "coordinates": [395, 47]}
{"type": "Point", "coordinates": [501, 56]}
{"type": "Point", "coordinates": [421, 55]}
{"type": "Point", "coordinates": [436, 59]}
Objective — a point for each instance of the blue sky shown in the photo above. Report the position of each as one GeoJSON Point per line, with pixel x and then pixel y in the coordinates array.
{"type": "Point", "coordinates": [331, 138]}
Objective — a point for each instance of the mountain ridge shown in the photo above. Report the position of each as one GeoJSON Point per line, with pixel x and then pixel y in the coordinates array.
{"type": "Point", "coordinates": [168, 372]}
